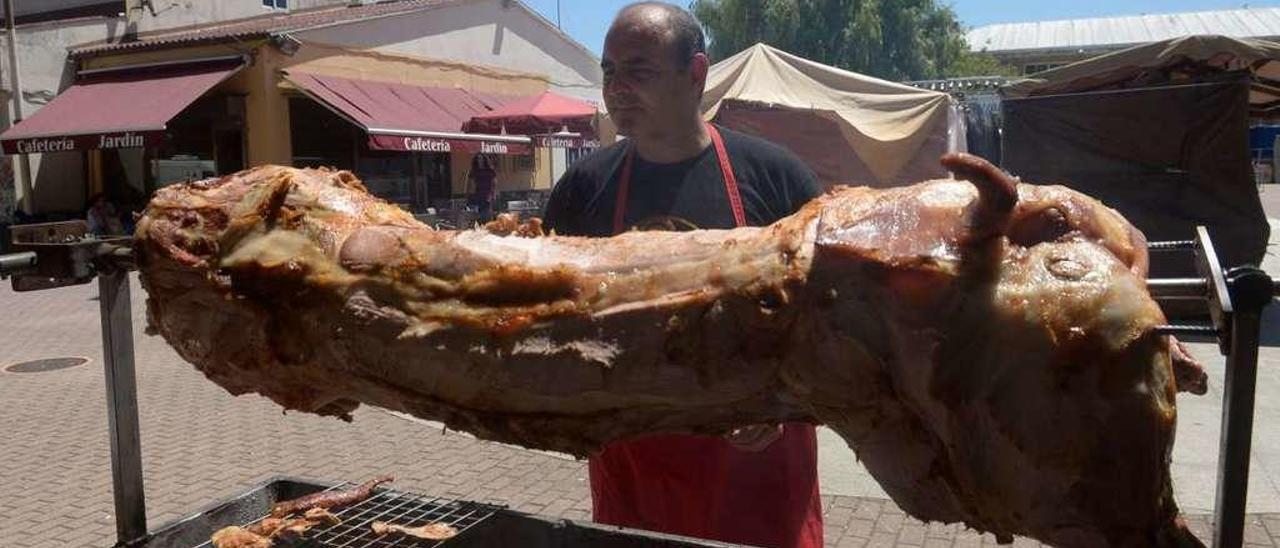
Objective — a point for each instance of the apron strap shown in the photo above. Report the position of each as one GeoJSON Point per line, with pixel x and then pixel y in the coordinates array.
{"type": "Point", "coordinates": [726, 170]}
{"type": "Point", "coordinates": [730, 181]}
{"type": "Point", "coordinates": [624, 187]}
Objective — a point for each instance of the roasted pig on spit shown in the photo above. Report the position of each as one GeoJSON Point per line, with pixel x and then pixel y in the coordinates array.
{"type": "Point", "coordinates": [986, 347]}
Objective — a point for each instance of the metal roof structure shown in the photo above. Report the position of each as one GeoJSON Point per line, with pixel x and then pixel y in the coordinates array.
{"type": "Point", "coordinates": [1107, 33]}
{"type": "Point", "coordinates": [968, 84]}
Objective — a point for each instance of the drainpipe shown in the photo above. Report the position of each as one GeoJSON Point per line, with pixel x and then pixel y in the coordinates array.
{"type": "Point", "coordinates": [23, 171]}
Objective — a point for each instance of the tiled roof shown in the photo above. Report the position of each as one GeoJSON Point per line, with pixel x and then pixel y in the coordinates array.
{"type": "Point", "coordinates": [261, 26]}
{"type": "Point", "coordinates": [1115, 32]}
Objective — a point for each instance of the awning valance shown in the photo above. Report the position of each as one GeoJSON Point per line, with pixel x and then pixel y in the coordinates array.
{"type": "Point", "coordinates": [120, 109]}
{"type": "Point", "coordinates": [410, 118]}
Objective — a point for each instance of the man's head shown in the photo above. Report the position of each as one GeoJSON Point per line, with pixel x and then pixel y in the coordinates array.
{"type": "Point", "coordinates": [655, 66]}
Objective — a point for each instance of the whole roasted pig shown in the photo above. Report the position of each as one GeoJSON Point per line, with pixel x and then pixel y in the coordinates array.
{"type": "Point", "coordinates": [986, 348]}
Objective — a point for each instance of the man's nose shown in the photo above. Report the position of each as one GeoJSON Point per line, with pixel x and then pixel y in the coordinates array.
{"type": "Point", "coordinates": [614, 86]}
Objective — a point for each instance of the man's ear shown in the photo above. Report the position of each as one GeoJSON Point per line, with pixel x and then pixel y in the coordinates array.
{"type": "Point", "coordinates": [698, 67]}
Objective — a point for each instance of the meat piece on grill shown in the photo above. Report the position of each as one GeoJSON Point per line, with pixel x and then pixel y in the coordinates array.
{"type": "Point", "coordinates": [321, 516]}
{"type": "Point", "coordinates": [235, 537]}
{"type": "Point", "coordinates": [986, 348]}
{"type": "Point", "coordinates": [328, 499]}
{"type": "Point", "coordinates": [429, 531]}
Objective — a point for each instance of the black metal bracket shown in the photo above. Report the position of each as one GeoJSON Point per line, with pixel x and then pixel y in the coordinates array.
{"type": "Point", "coordinates": [52, 255]}
{"type": "Point", "coordinates": [1235, 301]}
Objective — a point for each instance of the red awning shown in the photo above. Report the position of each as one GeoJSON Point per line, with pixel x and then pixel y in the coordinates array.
{"type": "Point", "coordinates": [542, 114]}
{"type": "Point", "coordinates": [411, 118]}
{"type": "Point", "coordinates": [125, 109]}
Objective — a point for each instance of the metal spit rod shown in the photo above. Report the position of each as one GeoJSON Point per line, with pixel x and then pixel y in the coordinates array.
{"type": "Point", "coordinates": [14, 263]}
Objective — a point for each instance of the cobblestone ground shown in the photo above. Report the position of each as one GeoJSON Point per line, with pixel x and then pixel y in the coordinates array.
{"type": "Point", "coordinates": [200, 444]}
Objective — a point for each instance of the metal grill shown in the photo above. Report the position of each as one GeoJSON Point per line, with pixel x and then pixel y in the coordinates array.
{"type": "Point", "coordinates": [391, 506]}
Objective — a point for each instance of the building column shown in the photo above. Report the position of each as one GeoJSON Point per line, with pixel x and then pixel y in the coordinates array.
{"type": "Point", "coordinates": [267, 134]}
{"type": "Point", "coordinates": [93, 172]}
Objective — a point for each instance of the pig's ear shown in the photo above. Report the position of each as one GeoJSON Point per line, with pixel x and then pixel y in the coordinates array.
{"type": "Point", "coordinates": [997, 194]}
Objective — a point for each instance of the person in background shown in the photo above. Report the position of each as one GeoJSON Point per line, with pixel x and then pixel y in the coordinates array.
{"type": "Point", "coordinates": [483, 181]}
{"type": "Point", "coordinates": [758, 485]}
{"type": "Point", "coordinates": [103, 217]}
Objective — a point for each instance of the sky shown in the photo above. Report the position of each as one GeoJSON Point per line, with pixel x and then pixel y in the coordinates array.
{"type": "Point", "coordinates": [587, 20]}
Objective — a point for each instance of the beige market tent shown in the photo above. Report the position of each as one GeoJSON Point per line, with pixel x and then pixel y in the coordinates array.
{"type": "Point", "coordinates": [850, 128]}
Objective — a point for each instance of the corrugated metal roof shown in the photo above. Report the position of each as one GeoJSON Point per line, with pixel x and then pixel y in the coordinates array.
{"type": "Point", "coordinates": [260, 26]}
{"type": "Point", "coordinates": [1111, 32]}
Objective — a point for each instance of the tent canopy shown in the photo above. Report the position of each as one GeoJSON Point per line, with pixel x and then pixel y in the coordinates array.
{"type": "Point", "coordinates": [541, 114]}
{"type": "Point", "coordinates": [896, 132]}
{"type": "Point", "coordinates": [1182, 60]}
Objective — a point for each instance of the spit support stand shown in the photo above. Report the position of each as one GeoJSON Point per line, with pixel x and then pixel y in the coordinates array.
{"type": "Point", "coordinates": [1235, 301]}
{"type": "Point", "coordinates": [53, 255]}
{"type": "Point", "coordinates": [122, 402]}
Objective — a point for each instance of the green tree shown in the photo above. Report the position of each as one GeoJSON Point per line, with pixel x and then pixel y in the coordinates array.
{"type": "Point", "coordinates": [980, 64]}
{"type": "Point", "coordinates": [890, 39]}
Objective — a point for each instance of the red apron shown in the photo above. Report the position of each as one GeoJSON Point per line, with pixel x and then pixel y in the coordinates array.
{"type": "Point", "coordinates": [701, 486]}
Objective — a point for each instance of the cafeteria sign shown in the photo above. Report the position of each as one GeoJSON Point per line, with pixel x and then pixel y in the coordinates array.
{"type": "Point", "coordinates": [438, 144]}
{"type": "Point", "coordinates": [554, 141]}
{"type": "Point", "coordinates": [69, 143]}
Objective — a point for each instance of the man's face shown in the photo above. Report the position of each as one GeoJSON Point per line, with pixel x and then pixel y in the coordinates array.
{"type": "Point", "coordinates": [646, 88]}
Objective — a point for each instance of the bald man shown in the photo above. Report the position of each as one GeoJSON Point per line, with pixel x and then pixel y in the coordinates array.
{"type": "Point", "coordinates": [758, 485]}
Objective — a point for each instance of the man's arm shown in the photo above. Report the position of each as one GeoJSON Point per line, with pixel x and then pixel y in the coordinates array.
{"type": "Point", "coordinates": [793, 185]}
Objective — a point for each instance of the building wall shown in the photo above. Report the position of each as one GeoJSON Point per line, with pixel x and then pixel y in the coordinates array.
{"type": "Point", "coordinates": [44, 73]}
{"type": "Point", "coordinates": [183, 14]}
{"type": "Point", "coordinates": [482, 32]}
{"type": "Point", "coordinates": [42, 56]}
{"type": "Point", "coordinates": [378, 66]}
{"type": "Point", "coordinates": [1031, 62]}
{"type": "Point", "coordinates": [494, 33]}
{"type": "Point", "coordinates": [28, 7]}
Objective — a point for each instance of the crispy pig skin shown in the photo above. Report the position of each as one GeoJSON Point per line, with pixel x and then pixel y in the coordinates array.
{"type": "Point", "coordinates": [986, 347]}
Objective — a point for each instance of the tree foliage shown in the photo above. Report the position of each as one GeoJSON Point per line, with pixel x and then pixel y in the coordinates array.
{"type": "Point", "coordinates": [890, 39]}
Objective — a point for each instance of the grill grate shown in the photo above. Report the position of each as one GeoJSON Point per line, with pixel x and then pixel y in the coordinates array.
{"type": "Point", "coordinates": [392, 506]}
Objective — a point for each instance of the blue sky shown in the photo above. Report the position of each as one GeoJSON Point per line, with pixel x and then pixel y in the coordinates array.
{"type": "Point", "coordinates": [587, 20]}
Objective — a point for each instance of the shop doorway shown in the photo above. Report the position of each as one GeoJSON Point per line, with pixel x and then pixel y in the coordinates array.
{"type": "Point", "coordinates": [437, 175]}
{"type": "Point", "coordinates": [229, 150]}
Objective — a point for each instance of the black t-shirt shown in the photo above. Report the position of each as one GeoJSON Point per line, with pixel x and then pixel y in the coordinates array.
{"type": "Point", "coordinates": [684, 195]}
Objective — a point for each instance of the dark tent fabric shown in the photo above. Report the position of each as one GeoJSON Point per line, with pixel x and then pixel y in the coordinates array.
{"type": "Point", "coordinates": [1167, 158]}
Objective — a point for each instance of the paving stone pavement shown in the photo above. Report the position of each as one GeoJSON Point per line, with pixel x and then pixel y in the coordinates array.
{"type": "Point", "coordinates": [200, 444]}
